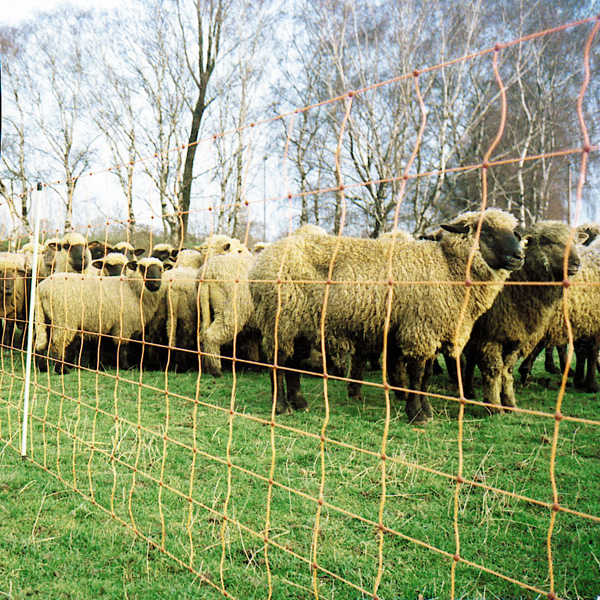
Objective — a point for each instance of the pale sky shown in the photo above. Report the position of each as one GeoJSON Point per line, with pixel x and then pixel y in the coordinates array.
{"type": "Point", "coordinates": [11, 12]}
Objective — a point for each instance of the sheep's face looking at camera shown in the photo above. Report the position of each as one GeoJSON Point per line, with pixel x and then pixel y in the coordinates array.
{"type": "Point", "coordinates": [150, 271]}
{"type": "Point", "coordinates": [76, 248]}
{"type": "Point", "coordinates": [499, 243]}
{"type": "Point", "coordinates": [546, 246]}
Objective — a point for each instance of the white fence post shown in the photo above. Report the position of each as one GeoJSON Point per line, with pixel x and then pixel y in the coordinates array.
{"type": "Point", "coordinates": [36, 237]}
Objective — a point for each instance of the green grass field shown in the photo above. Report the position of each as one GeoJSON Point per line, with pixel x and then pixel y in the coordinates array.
{"type": "Point", "coordinates": [55, 542]}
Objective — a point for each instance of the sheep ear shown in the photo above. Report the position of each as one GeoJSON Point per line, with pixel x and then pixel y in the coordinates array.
{"type": "Point", "coordinates": [132, 264]}
{"type": "Point", "coordinates": [581, 237]}
{"type": "Point", "coordinates": [226, 246]}
{"type": "Point", "coordinates": [457, 227]}
{"type": "Point", "coordinates": [98, 264]}
{"type": "Point", "coordinates": [167, 265]}
{"type": "Point", "coordinates": [54, 245]}
{"type": "Point", "coordinates": [139, 251]}
{"type": "Point", "coordinates": [174, 254]}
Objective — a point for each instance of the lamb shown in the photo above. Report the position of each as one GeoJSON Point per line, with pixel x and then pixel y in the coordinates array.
{"type": "Point", "coordinates": [118, 307]}
{"type": "Point", "coordinates": [584, 316]}
{"type": "Point", "coordinates": [423, 320]}
{"type": "Point", "coordinates": [520, 314]}
{"type": "Point", "coordinates": [225, 303]}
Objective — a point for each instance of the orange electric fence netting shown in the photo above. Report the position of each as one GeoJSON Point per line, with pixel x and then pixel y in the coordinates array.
{"type": "Point", "coordinates": [209, 474]}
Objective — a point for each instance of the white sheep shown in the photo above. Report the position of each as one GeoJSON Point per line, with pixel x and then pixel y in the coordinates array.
{"type": "Point", "coordinates": [119, 307]}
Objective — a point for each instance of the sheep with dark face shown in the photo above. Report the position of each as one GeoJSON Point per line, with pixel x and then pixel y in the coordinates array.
{"type": "Point", "coordinates": [114, 264]}
{"type": "Point", "coordinates": [72, 254]}
{"type": "Point", "coordinates": [114, 306]}
{"type": "Point", "coordinates": [128, 250]}
{"type": "Point", "coordinates": [584, 316]}
{"type": "Point", "coordinates": [164, 252]}
{"type": "Point", "coordinates": [592, 231]}
{"type": "Point", "coordinates": [423, 320]}
{"type": "Point", "coordinates": [520, 314]}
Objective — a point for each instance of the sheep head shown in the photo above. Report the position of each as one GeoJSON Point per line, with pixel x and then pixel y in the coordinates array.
{"type": "Point", "coordinates": [164, 252]}
{"type": "Point", "coordinates": [75, 245]}
{"type": "Point", "coordinates": [592, 231]}
{"type": "Point", "coordinates": [150, 270]}
{"type": "Point", "coordinates": [99, 249]}
{"type": "Point", "coordinates": [499, 242]}
{"type": "Point", "coordinates": [547, 243]}
{"type": "Point", "coordinates": [128, 250]}
{"type": "Point", "coordinates": [111, 265]}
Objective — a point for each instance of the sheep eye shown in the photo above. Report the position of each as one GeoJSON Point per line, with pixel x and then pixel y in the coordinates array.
{"type": "Point", "coordinates": [545, 241]}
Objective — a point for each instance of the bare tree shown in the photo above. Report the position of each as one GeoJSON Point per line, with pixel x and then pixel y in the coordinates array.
{"type": "Point", "coordinates": [58, 95]}
{"type": "Point", "coordinates": [201, 43]}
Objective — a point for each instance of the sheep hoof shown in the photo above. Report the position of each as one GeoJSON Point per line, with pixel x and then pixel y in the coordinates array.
{"type": "Point", "coordinates": [41, 363]}
{"type": "Point", "coordinates": [282, 408]}
{"type": "Point", "coordinates": [215, 372]}
{"type": "Point", "coordinates": [418, 414]}
{"type": "Point", "coordinates": [61, 369]}
{"type": "Point", "coordinates": [420, 419]}
{"type": "Point", "coordinates": [299, 403]}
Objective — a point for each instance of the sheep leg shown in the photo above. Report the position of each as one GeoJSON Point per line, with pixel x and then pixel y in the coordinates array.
{"type": "Point", "coordinates": [491, 367]}
{"type": "Point", "coordinates": [418, 409]}
{"type": "Point", "coordinates": [437, 368]}
{"type": "Point", "coordinates": [527, 364]}
{"type": "Point", "coordinates": [549, 361]}
{"type": "Point", "coordinates": [356, 372]}
{"type": "Point", "coordinates": [591, 385]}
{"type": "Point", "coordinates": [562, 357]}
{"type": "Point", "coordinates": [123, 356]}
{"type": "Point", "coordinates": [8, 332]}
{"type": "Point", "coordinates": [295, 399]}
{"type": "Point", "coordinates": [218, 334]}
{"type": "Point", "coordinates": [469, 373]}
{"type": "Point", "coordinates": [508, 397]}
{"type": "Point", "coordinates": [60, 340]}
{"type": "Point", "coordinates": [396, 370]}
{"type": "Point", "coordinates": [451, 367]}
{"type": "Point", "coordinates": [277, 384]}
{"type": "Point", "coordinates": [580, 358]}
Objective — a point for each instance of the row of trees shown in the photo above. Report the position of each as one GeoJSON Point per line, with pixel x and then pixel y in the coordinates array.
{"type": "Point", "coordinates": [165, 92]}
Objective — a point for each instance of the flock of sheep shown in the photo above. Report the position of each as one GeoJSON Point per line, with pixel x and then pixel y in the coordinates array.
{"type": "Point", "coordinates": [316, 302]}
